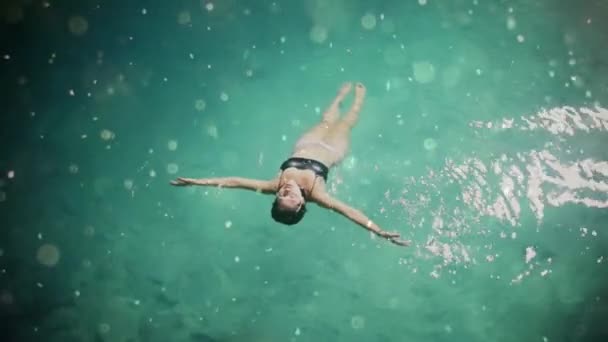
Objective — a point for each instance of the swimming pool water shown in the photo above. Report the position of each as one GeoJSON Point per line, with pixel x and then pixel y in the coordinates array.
{"type": "Point", "coordinates": [482, 140]}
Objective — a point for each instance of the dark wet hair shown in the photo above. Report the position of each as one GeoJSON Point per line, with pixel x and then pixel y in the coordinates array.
{"type": "Point", "coordinates": [288, 217]}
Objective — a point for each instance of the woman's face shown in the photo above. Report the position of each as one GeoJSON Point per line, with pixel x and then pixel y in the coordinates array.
{"type": "Point", "coordinates": [290, 197]}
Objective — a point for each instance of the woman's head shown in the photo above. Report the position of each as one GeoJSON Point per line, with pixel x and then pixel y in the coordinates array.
{"type": "Point", "coordinates": [289, 205]}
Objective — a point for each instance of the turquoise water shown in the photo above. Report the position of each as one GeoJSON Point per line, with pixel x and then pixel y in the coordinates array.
{"type": "Point", "coordinates": [482, 140]}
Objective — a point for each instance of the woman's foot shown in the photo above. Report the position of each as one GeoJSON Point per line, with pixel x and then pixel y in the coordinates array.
{"type": "Point", "coordinates": [332, 113]}
{"type": "Point", "coordinates": [353, 114]}
{"type": "Point", "coordinates": [360, 91]}
{"type": "Point", "coordinates": [346, 87]}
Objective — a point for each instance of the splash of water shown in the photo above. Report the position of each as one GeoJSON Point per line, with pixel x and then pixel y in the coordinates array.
{"type": "Point", "coordinates": [508, 187]}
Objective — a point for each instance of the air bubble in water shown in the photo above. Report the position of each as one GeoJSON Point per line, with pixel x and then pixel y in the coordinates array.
{"type": "Point", "coordinates": [200, 105]}
{"type": "Point", "coordinates": [511, 23]}
{"type": "Point", "coordinates": [78, 25]}
{"type": "Point", "coordinates": [172, 145]}
{"type": "Point", "coordinates": [368, 21]}
{"type": "Point", "coordinates": [73, 168]}
{"type": "Point", "coordinates": [128, 184]}
{"type": "Point", "coordinates": [184, 18]}
{"type": "Point", "coordinates": [430, 144]}
{"type": "Point", "coordinates": [172, 168]}
{"type": "Point", "coordinates": [48, 255]}
{"type": "Point", "coordinates": [318, 34]}
{"type": "Point", "coordinates": [106, 134]}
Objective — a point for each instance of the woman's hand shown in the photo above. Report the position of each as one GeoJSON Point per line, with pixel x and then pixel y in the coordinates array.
{"type": "Point", "coordinates": [187, 181]}
{"type": "Point", "coordinates": [394, 238]}
{"type": "Point", "coordinates": [400, 242]}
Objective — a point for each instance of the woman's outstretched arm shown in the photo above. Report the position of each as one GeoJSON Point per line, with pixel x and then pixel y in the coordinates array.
{"type": "Point", "coordinates": [264, 186]}
{"type": "Point", "coordinates": [326, 201]}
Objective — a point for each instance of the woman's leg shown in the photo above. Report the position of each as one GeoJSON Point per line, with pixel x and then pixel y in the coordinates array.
{"type": "Point", "coordinates": [339, 134]}
{"type": "Point", "coordinates": [330, 116]}
{"type": "Point", "coordinates": [350, 119]}
{"type": "Point", "coordinates": [332, 113]}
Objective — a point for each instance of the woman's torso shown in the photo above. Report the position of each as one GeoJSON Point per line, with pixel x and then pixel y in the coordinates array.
{"type": "Point", "coordinates": [318, 150]}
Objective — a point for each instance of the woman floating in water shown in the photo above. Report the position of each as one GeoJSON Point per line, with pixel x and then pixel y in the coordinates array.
{"type": "Point", "coordinates": [302, 177]}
